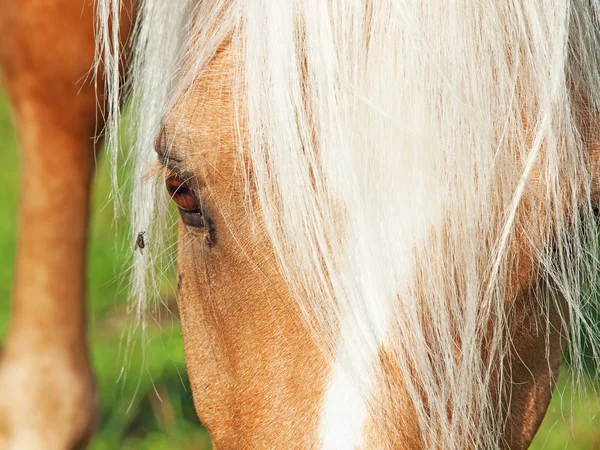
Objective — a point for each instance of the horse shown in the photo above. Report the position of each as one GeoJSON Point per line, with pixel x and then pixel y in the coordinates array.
{"type": "Point", "coordinates": [387, 210]}
{"type": "Point", "coordinates": [47, 50]}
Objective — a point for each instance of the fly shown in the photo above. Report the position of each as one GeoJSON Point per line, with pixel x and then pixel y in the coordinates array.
{"type": "Point", "coordinates": [140, 242]}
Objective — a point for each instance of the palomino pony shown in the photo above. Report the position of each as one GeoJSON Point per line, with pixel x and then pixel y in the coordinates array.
{"type": "Point", "coordinates": [387, 212]}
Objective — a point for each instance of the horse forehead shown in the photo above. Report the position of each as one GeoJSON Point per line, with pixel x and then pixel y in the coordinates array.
{"type": "Point", "coordinates": [200, 125]}
{"type": "Point", "coordinates": [208, 100]}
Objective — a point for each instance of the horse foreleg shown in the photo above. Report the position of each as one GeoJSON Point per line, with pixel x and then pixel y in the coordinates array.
{"type": "Point", "coordinates": [47, 396]}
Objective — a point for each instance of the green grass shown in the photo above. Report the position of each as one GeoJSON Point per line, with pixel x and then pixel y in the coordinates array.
{"type": "Point", "coordinates": [143, 393]}
{"type": "Point", "coordinates": [144, 397]}
{"type": "Point", "coordinates": [572, 421]}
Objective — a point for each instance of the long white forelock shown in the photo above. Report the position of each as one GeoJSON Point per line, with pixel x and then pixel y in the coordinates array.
{"type": "Point", "coordinates": [161, 36]}
{"type": "Point", "coordinates": [391, 145]}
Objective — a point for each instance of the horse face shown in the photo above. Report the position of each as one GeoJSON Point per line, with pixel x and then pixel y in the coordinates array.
{"type": "Point", "coordinates": [255, 372]}
{"type": "Point", "coordinates": [258, 378]}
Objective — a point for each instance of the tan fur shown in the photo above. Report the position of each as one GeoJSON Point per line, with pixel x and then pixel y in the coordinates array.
{"type": "Point", "coordinates": [239, 325]}
{"type": "Point", "coordinates": [46, 385]}
{"type": "Point", "coordinates": [529, 376]}
{"type": "Point", "coordinates": [257, 377]}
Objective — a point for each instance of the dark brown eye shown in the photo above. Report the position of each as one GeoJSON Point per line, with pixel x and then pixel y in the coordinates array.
{"type": "Point", "coordinates": [181, 194]}
{"type": "Point", "coordinates": [187, 203]}
{"type": "Point", "coordinates": [190, 208]}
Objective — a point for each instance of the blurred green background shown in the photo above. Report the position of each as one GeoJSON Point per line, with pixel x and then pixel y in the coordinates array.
{"type": "Point", "coordinates": [144, 395]}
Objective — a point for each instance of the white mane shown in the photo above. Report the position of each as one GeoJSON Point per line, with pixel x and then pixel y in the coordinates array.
{"type": "Point", "coordinates": [392, 145]}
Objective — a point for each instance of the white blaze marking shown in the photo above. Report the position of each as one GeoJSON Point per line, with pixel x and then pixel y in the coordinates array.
{"type": "Point", "coordinates": [344, 412]}
{"type": "Point", "coordinates": [345, 405]}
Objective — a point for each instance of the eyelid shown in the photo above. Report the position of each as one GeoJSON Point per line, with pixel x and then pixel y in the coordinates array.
{"type": "Point", "coordinates": [163, 146]}
{"type": "Point", "coordinates": [171, 167]}
{"type": "Point", "coordinates": [197, 217]}
{"type": "Point", "coordinates": [184, 176]}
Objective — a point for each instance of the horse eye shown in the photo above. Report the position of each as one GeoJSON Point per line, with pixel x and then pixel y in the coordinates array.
{"type": "Point", "coordinates": [186, 201]}
{"type": "Point", "coordinates": [181, 194]}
